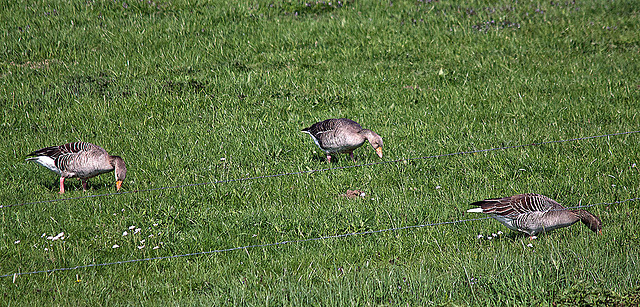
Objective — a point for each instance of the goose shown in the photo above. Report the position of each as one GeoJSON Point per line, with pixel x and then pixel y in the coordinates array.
{"type": "Point", "coordinates": [80, 160]}
{"type": "Point", "coordinates": [342, 135]}
{"type": "Point", "coordinates": [534, 213]}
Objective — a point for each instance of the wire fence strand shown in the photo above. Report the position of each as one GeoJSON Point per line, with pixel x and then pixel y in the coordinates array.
{"type": "Point", "coordinates": [93, 265]}
{"type": "Point", "coordinates": [320, 170]}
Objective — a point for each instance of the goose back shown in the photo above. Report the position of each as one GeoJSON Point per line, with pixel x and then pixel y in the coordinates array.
{"type": "Point", "coordinates": [74, 160]}
{"type": "Point", "coordinates": [518, 204]}
{"type": "Point", "coordinates": [336, 135]}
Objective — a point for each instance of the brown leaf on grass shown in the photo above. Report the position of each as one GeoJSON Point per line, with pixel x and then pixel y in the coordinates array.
{"type": "Point", "coordinates": [351, 194]}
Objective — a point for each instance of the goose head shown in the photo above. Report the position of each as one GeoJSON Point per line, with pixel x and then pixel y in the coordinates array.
{"type": "Point", "coordinates": [120, 170]}
{"type": "Point", "coordinates": [374, 139]}
{"type": "Point", "coordinates": [592, 221]}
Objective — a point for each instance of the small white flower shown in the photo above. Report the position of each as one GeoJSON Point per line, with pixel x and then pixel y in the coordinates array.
{"type": "Point", "coordinates": [142, 241]}
{"type": "Point", "coordinates": [122, 209]}
{"type": "Point", "coordinates": [155, 224]}
{"type": "Point", "coordinates": [132, 227]}
{"type": "Point", "coordinates": [533, 237]}
{"type": "Point", "coordinates": [16, 242]}
{"type": "Point", "coordinates": [480, 236]}
{"type": "Point", "coordinates": [137, 230]}
{"type": "Point", "coordinates": [530, 245]}
{"type": "Point", "coordinates": [50, 238]}
{"type": "Point", "coordinates": [254, 235]}
{"type": "Point", "coordinates": [150, 236]}
{"type": "Point", "coordinates": [222, 159]}
{"type": "Point", "coordinates": [489, 237]}
{"type": "Point", "coordinates": [46, 249]}
{"type": "Point", "coordinates": [156, 247]}
{"type": "Point", "coordinates": [115, 246]}
{"type": "Point", "coordinates": [438, 187]}
{"type": "Point", "coordinates": [43, 234]}
{"type": "Point", "coordinates": [125, 233]}
{"type": "Point", "coordinates": [141, 247]}
{"type": "Point", "coordinates": [494, 235]}
{"type": "Point", "coordinates": [114, 214]}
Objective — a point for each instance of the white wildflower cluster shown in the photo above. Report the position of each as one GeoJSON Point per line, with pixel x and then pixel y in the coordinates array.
{"type": "Point", "coordinates": [530, 245]}
{"type": "Point", "coordinates": [141, 242]}
{"type": "Point", "coordinates": [56, 237]}
{"type": "Point", "coordinates": [491, 236]}
{"type": "Point", "coordinates": [473, 281]}
{"type": "Point", "coordinates": [59, 237]}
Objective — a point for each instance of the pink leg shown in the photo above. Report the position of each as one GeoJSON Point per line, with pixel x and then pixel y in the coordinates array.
{"type": "Point", "coordinates": [61, 185]}
{"type": "Point", "coordinates": [328, 158]}
{"type": "Point", "coordinates": [84, 185]}
{"type": "Point", "coordinates": [352, 158]}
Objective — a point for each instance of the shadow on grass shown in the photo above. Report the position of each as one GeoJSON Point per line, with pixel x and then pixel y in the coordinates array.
{"type": "Point", "coordinates": [583, 294]}
{"type": "Point", "coordinates": [320, 158]}
{"type": "Point", "coordinates": [297, 8]}
{"type": "Point", "coordinates": [336, 158]}
{"type": "Point", "coordinates": [70, 185]}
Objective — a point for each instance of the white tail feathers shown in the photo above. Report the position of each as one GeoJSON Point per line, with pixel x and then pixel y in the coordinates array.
{"type": "Point", "coordinates": [46, 162]}
{"type": "Point", "coordinates": [477, 210]}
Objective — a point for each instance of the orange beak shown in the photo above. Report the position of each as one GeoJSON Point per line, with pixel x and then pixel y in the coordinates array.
{"type": "Point", "coordinates": [379, 151]}
{"type": "Point", "coordinates": [118, 185]}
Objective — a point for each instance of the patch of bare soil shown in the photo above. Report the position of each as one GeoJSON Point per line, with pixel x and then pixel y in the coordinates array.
{"type": "Point", "coordinates": [352, 194]}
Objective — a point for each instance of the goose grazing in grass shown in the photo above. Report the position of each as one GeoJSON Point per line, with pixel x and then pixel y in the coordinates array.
{"type": "Point", "coordinates": [342, 136]}
{"type": "Point", "coordinates": [79, 160]}
{"type": "Point", "coordinates": [534, 214]}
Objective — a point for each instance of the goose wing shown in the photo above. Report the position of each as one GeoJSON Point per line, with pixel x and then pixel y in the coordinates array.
{"type": "Point", "coordinates": [65, 157]}
{"type": "Point", "coordinates": [70, 148]}
{"type": "Point", "coordinates": [518, 204]}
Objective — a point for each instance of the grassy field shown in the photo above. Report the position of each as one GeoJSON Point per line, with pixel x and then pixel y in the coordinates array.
{"type": "Point", "coordinates": [193, 92]}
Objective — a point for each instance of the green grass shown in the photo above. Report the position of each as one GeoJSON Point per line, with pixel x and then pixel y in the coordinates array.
{"type": "Point", "coordinates": [175, 86]}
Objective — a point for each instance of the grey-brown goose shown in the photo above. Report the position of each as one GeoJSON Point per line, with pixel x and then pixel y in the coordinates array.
{"type": "Point", "coordinates": [342, 135]}
{"type": "Point", "coordinates": [80, 160]}
{"type": "Point", "coordinates": [534, 213]}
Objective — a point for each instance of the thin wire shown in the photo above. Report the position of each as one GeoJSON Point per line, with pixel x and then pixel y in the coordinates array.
{"type": "Point", "coordinates": [244, 247]}
{"type": "Point", "coordinates": [281, 243]}
{"type": "Point", "coordinates": [319, 170]}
